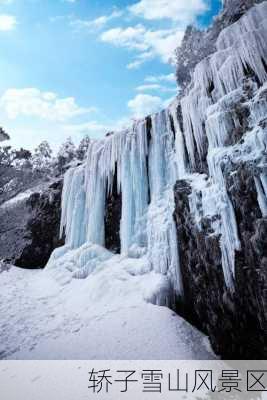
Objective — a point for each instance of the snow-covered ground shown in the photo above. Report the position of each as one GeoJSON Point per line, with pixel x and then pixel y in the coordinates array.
{"type": "Point", "coordinates": [48, 315]}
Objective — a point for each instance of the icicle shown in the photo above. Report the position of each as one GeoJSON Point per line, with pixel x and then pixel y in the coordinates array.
{"type": "Point", "coordinates": [65, 217]}
{"type": "Point", "coordinates": [262, 200]}
{"type": "Point", "coordinates": [258, 106]}
{"type": "Point", "coordinates": [73, 206]}
{"type": "Point", "coordinates": [76, 236]}
{"type": "Point", "coordinates": [219, 127]}
{"type": "Point", "coordinates": [263, 178]}
{"type": "Point", "coordinates": [161, 231]}
{"type": "Point", "coordinates": [134, 184]}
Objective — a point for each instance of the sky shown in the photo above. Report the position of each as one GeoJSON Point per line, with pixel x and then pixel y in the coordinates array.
{"type": "Point", "coordinates": [78, 67]}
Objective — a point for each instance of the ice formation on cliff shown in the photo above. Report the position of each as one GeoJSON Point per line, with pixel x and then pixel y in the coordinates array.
{"type": "Point", "coordinates": [234, 75]}
{"type": "Point", "coordinates": [143, 159]}
{"type": "Point", "coordinates": [148, 158]}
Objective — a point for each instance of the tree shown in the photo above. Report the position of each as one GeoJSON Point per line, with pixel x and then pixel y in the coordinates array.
{"type": "Point", "coordinates": [66, 154]}
{"type": "Point", "coordinates": [42, 157]}
{"type": "Point", "coordinates": [21, 159]}
{"type": "Point", "coordinates": [22, 154]}
{"type": "Point", "coordinates": [43, 150]}
{"type": "Point", "coordinates": [83, 147]}
{"type": "Point", "coordinates": [6, 155]}
{"type": "Point", "coordinates": [3, 135]}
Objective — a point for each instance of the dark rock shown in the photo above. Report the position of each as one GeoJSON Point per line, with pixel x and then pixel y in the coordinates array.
{"type": "Point", "coordinates": [30, 228]}
{"type": "Point", "coordinates": [14, 181]}
{"type": "Point", "coordinates": [113, 218]}
{"type": "Point", "coordinates": [235, 322]}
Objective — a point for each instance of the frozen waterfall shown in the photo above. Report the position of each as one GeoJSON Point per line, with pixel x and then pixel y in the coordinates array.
{"type": "Point", "coordinates": [145, 164]}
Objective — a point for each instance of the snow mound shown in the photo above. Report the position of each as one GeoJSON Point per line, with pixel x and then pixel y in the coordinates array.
{"type": "Point", "coordinates": [104, 316]}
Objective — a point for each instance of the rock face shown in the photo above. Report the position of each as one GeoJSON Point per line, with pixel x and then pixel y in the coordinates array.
{"type": "Point", "coordinates": [235, 322]}
{"type": "Point", "coordinates": [15, 181]}
{"type": "Point", "coordinates": [30, 227]}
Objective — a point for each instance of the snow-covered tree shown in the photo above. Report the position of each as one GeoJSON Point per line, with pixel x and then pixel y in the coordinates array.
{"type": "Point", "coordinates": [82, 148]}
{"type": "Point", "coordinates": [42, 157]}
{"type": "Point", "coordinates": [44, 150]}
{"type": "Point", "coordinates": [6, 155]}
{"type": "Point", "coordinates": [21, 159]}
{"type": "Point", "coordinates": [66, 154]}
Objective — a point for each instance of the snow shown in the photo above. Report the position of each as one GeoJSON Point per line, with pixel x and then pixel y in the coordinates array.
{"type": "Point", "coordinates": [104, 316]}
{"type": "Point", "coordinates": [21, 197]}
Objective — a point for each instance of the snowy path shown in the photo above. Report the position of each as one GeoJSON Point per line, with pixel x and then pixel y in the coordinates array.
{"type": "Point", "coordinates": [42, 319]}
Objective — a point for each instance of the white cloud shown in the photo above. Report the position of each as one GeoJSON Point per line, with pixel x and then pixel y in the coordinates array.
{"type": "Point", "coordinates": [7, 22]}
{"type": "Point", "coordinates": [148, 43]}
{"type": "Point", "coordinates": [156, 87]}
{"type": "Point", "coordinates": [31, 102]}
{"type": "Point", "coordinates": [144, 104]}
{"type": "Point", "coordinates": [164, 42]}
{"type": "Point", "coordinates": [131, 37]}
{"type": "Point", "coordinates": [177, 10]}
{"type": "Point", "coordinates": [161, 78]}
{"type": "Point", "coordinates": [140, 59]}
{"type": "Point", "coordinates": [58, 18]}
{"type": "Point", "coordinates": [97, 23]}
{"type": "Point", "coordinates": [92, 128]}
{"type": "Point", "coordinates": [152, 86]}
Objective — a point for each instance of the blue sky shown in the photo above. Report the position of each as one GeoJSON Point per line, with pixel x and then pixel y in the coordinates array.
{"type": "Point", "coordinates": [76, 67]}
